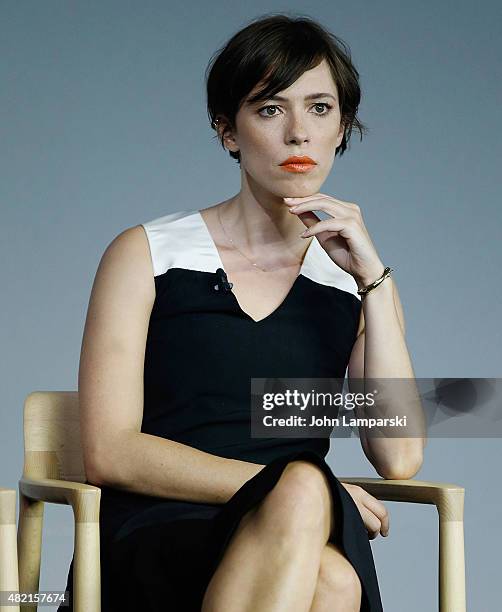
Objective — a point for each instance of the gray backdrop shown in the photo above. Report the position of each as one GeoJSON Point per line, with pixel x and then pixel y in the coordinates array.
{"type": "Point", "coordinates": [104, 126]}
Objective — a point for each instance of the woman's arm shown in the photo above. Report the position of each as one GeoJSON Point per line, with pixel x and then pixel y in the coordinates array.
{"type": "Point", "coordinates": [152, 465]}
{"type": "Point", "coordinates": [116, 452]}
{"type": "Point", "coordinates": [380, 352]}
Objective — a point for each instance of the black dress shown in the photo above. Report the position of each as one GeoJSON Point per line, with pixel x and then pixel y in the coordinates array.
{"type": "Point", "coordinates": [202, 350]}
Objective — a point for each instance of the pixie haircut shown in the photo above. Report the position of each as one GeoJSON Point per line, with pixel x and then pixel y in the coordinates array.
{"type": "Point", "coordinates": [275, 50]}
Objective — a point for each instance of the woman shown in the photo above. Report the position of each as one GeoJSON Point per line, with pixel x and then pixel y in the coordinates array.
{"type": "Point", "coordinates": [195, 513]}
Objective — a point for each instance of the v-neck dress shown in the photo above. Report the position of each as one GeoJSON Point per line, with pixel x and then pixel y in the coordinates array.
{"type": "Point", "coordinates": [202, 350]}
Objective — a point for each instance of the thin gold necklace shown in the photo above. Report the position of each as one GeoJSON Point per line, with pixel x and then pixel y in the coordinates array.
{"type": "Point", "coordinates": [253, 263]}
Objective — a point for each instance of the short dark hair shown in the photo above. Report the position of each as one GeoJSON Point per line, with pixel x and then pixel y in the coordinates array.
{"type": "Point", "coordinates": [278, 49]}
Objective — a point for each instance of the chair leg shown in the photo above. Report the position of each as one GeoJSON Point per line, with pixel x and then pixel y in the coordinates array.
{"type": "Point", "coordinates": [9, 576]}
{"type": "Point", "coordinates": [29, 545]}
{"type": "Point", "coordinates": [86, 568]}
{"type": "Point", "coordinates": [451, 552]}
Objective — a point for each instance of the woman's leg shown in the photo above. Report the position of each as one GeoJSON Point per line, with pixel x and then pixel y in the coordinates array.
{"type": "Point", "coordinates": [338, 586]}
{"type": "Point", "coordinates": [273, 560]}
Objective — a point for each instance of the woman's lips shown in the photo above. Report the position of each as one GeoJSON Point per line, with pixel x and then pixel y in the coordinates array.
{"type": "Point", "coordinates": [297, 167]}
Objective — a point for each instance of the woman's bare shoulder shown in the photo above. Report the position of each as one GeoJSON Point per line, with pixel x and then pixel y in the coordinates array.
{"type": "Point", "coordinates": [126, 265]}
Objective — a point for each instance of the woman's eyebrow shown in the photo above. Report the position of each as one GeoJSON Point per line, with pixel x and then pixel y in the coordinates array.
{"type": "Point", "coordinates": [309, 97]}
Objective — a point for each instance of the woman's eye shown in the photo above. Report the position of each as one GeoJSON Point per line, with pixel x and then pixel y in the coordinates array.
{"type": "Point", "coordinates": [266, 108]}
{"type": "Point", "coordinates": [327, 106]}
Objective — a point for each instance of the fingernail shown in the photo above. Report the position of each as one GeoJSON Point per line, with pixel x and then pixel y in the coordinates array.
{"type": "Point", "coordinates": [304, 234]}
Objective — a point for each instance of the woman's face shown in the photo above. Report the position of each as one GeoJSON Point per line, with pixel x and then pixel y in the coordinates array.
{"type": "Point", "coordinates": [269, 132]}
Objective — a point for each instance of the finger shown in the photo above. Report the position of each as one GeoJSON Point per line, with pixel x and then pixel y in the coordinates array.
{"type": "Point", "coordinates": [328, 206]}
{"type": "Point", "coordinates": [319, 196]}
{"type": "Point", "coordinates": [371, 522]}
{"type": "Point", "coordinates": [331, 225]}
{"type": "Point", "coordinates": [379, 510]}
{"type": "Point", "coordinates": [376, 506]}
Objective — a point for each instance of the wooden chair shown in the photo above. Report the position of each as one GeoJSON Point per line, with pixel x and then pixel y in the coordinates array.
{"type": "Point", "coordinates": [8, 546]}
{"type": "Point", "coordinates": [54, 472]}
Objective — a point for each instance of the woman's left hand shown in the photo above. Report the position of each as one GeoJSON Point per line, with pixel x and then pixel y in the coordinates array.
{"type": "Point", "coordinates": [374, 514]}
{"type": "Point", "coordinates": [343, 236]}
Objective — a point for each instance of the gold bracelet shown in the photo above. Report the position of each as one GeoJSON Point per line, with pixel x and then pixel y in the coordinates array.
{"type": "Point", "coordinates": [365, 290]}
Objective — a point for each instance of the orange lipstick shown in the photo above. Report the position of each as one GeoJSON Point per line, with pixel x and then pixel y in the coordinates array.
{"type": "Point", "coordinates": [298, 164]}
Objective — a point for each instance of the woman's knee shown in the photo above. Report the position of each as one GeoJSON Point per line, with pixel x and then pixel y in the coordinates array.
{"type": "Point", "coordinates": [299, 502]}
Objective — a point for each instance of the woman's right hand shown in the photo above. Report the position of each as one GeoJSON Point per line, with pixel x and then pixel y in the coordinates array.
{"type": "Point", "coordinates": [374, 514]}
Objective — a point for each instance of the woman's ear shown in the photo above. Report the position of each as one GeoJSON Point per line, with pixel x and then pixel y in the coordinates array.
{"type": "Point", "coordinates": [228, 135]}
{"type": "Point", "coordinates": [341, 132]}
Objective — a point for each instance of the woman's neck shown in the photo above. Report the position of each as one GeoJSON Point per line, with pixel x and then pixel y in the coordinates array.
{"type": "Point", "coordinates": [262, 225]}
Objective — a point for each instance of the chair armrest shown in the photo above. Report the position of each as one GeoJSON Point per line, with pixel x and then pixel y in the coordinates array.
{"type": "Point", "coordinates": [449, 501]}
{"type": "Point", "coordinates": [448, 498]}
{"type": "Point", "coordinates": [83, 498]}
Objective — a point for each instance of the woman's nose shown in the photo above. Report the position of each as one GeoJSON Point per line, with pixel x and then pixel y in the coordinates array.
{"type": "Point", "coordinates": [296, 131]}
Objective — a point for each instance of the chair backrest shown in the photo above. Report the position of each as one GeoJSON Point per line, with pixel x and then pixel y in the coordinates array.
{"type": "Point", "coordinates": [52, 445]}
